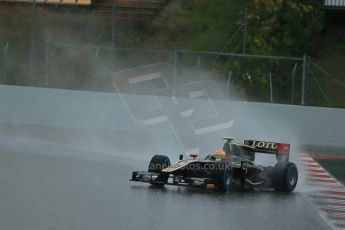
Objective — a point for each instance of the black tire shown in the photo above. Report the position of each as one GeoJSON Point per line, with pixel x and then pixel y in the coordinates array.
{"type": "Point", "coordinates": [157, 164]}
{"type": "Point", "coordinates": [285, 177]}
{"type": "Point", "coordinates": [225, 180]}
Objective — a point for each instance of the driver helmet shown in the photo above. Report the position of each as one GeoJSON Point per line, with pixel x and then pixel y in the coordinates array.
{"type": "Point", "coordinates": [219, 152]}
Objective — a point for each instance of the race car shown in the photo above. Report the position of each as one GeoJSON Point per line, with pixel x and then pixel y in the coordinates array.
{"type": "Point", "coordinates": [229, 168]}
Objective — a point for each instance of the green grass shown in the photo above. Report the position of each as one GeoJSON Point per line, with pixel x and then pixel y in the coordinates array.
{"type": "Point", "coordinates": [331, 57]}
{"type": "Point", "coordinates": [201, 25]}
{"type": "Point", "coordinates": [335, 167]}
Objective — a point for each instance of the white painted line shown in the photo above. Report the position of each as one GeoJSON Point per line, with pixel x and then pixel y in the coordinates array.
{"type": "Point", "coordinates": [332, 207]}
{"type": "Point", "coordinates": [323, 185]}
{"type": "Point", "coordinates": [214, 128]}
{"type": "Point", "coordinates": [327, 196]}
{"type": "Point", "coordinates": [336, 216]}
{"type": "Point", "coordinates": [319, 171]}
{"type": "Point", "coordinates": [198, 93]}
{"type": "Point", "coordinates": [305, 159]}
{"type": "Point", "coordinates": [320, 175]}
{"type": "Point", "coordinates": [146, 77]}
{"type": "Point", "coordinates": [321, 197]}
{"type": "Point", "coordinates": [330, 201]}
{"type": "Point", "coordinates": [323, 180]}
{"type": "Point", "coordinates": [311, 160]}
{"type": "Point", "coordinates": [310, 164]}
{"type": "Point", "coordinates": [333, 193]}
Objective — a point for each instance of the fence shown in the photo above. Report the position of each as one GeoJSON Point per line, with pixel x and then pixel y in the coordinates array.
{"type": "Point", "coordinates": [292, 80]}
{"type": "Point", "coordinates": [44, 61]}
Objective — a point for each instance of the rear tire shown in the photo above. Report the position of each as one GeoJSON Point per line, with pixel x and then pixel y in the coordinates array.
{"type": "Point", "coordinates": [157, 164]}
{"type": "Point", "coordinates": [285, 177]}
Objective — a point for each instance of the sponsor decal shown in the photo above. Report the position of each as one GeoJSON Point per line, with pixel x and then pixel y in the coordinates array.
{"type": "Point", "coordinates": [264, 145]}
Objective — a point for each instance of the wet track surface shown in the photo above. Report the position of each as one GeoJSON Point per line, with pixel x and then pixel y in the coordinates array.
{"type": "Point", "coordinates": [57, 187]}
{"type": "Point", "coordinates": [66, 158]}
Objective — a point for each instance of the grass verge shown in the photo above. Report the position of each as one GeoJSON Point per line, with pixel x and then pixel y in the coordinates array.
{"type": "Point", "coordinates": [335, 167]}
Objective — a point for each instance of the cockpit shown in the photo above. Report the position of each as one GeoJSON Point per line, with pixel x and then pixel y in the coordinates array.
{"type": "Point", "coordinates": [232, 150]}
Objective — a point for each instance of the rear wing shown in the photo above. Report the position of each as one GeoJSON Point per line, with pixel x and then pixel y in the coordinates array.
{"type": "Point", "coordinates": [281, 150]}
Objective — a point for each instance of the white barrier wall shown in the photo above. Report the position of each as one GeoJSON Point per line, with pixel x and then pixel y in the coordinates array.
{"type": "Point", "coordinates": [192, 122]}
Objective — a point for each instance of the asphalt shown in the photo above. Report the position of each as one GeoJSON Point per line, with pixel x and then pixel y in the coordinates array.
{"type": "Point", "coordinates": [56, 186]}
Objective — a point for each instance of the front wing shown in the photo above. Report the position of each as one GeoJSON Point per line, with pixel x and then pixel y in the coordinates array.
{"type": "Point", "coordinates": [174, 179]}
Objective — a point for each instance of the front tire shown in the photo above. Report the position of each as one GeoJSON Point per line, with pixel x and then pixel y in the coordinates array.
{"type": "Point", "coordinates": [225, 181]}
{"type": "Point", "coordinates": [285, 177]}
{"type": "Point", "coordinates": [156, 165]}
